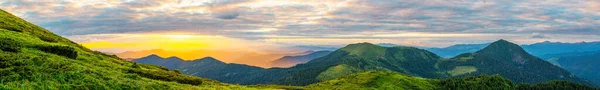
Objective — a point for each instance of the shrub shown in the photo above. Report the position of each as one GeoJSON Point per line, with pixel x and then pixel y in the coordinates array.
{"type": "Point", "coordinates": [66, 51]}
{"type": "Point", "coordinates": [177, 71]}
{"type": "Point", "coordinates": [135, 65]}
{"type": "Point", "coordinates": [11, 28]}
{"type": "Point", "coordinates": [163, 68]}
{"type": "Point", "coordinates": [9, 45]}
{"type": "Point", "coordinates": [103, 54]}
{"type": "Point", "coordinates": [47, 38]}
{"type": "Point", "coordinates": [169, 76]}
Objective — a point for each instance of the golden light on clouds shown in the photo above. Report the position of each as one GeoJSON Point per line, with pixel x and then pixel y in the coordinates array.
{"type": "Point", "coordinates": [177, 42]}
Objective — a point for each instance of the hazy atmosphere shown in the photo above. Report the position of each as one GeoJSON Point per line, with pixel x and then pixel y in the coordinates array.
{"type": "Point", "coordinates": [299, 44]}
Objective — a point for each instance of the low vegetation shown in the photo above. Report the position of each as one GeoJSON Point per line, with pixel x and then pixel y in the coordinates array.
{"type": "Point", "coordinates": [373, 80]}
{"type": "Point", "coordinates": [9, 45]}
{"type": "Point", "coordinates": [460, 70]}
{"type": "Point", "coordinates": [65, 51]}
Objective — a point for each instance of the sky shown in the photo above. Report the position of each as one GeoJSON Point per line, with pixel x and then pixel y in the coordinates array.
{"type": "Point", "coordinates": [270, 25]}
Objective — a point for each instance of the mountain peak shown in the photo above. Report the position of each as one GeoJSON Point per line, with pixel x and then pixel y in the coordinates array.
{"type": "Point", "coordinates": [503, 45]}
{"type": "Point", "coordinates": [208, 58]}
{"type": "Point", "coordinates": [152, 56]}
{"type": "Point", "coordinates": [359, 45]}
{"type": "Point", "coordinates": [501, 40]}
{"type": "Point", "coordinates": [364, 49]}
{"type": "Point", "coordinates": [174, 58]}
{"type": "Point", "coordinates": [505, 50]}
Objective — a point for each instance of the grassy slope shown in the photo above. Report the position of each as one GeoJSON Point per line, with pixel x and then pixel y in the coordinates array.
{"type": "Point", "coordinates": [377, 80]}
{"type": "Point", "coordinates": [355, 58]}
{"type": "Point", "coordinates": [31, 68]}
{"type": "Point", "coordinates": [380, 80]}
{"type": "Point", "coordinates": [460, 70]}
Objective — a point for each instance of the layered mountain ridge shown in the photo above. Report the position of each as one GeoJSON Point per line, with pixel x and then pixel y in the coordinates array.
{"type": "Point", "coordinates": [501, 57]}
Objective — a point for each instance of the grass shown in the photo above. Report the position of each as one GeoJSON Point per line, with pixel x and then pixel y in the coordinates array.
{"type": "Point", "coordinates": [376, 80]}
{"type": "Point", "coordinates": [460, 70]}
{"type": "Point", "coordinates": [337, 71]}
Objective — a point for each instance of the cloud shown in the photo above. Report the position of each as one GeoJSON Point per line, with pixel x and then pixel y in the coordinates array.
{"type": "Point", "coordinates": [263, 20]}
{"type": "Point", "coordinates": [538, 36]}
{"type": "Point", "coordinates": [227, 15]}
{"type": "Point", "coordinates": [592, 6]}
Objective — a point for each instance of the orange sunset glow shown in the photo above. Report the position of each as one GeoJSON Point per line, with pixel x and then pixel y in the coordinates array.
{"type": "Point", "coordinates": [189, 47]}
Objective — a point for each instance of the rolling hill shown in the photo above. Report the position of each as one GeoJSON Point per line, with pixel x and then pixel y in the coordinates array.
{"type": "Point", "coordinates": [362, 57]}
{"type": "Point", "coordinates": [34, 58]}
{"type": "Point", "coordinates": [508, 60]}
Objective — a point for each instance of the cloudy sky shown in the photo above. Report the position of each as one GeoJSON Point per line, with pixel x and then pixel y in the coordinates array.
{"type": "Point", "coordinates": [116, 24]}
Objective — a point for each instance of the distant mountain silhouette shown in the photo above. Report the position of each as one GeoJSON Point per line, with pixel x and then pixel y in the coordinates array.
{"type": "Point", "coordinates": [454, 50]}
{"type": "Point", "coordinates": [288, 61]}
{"type": "Point", "coordinates": [243, 57]}
{"type": "Point", "coordinates": [539, 49]}
{"type": "Point", "coordinates": [207, 67]}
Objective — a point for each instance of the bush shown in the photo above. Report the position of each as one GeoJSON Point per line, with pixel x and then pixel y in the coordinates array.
{"type": "Point", "coordinates": [163, 68]}
{"type": "Point", "coordinates": [47, 38]}
{"type": "Point", "coordinates": [11, 28]}
{"type": "Point", "coordinates": [135, 65]}
{"type": "Point", "coordinates": [169, 76]}
{"type": "Point", "coordinates": [177, 71]}
{"type": "Point", "coordinates": [66, 51]}
{"type": "Point", "coordinates": [9, 45]}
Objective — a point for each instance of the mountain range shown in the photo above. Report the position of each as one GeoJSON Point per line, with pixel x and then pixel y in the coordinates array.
{"type": "Point", "coordinates": [541, 49]}
{"type": "Point", "coordinates": [501, 57]}
{"type": "Point", "coordinates": [288, 61]}
{"type": "Point", "coordinates": [231, 56]}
